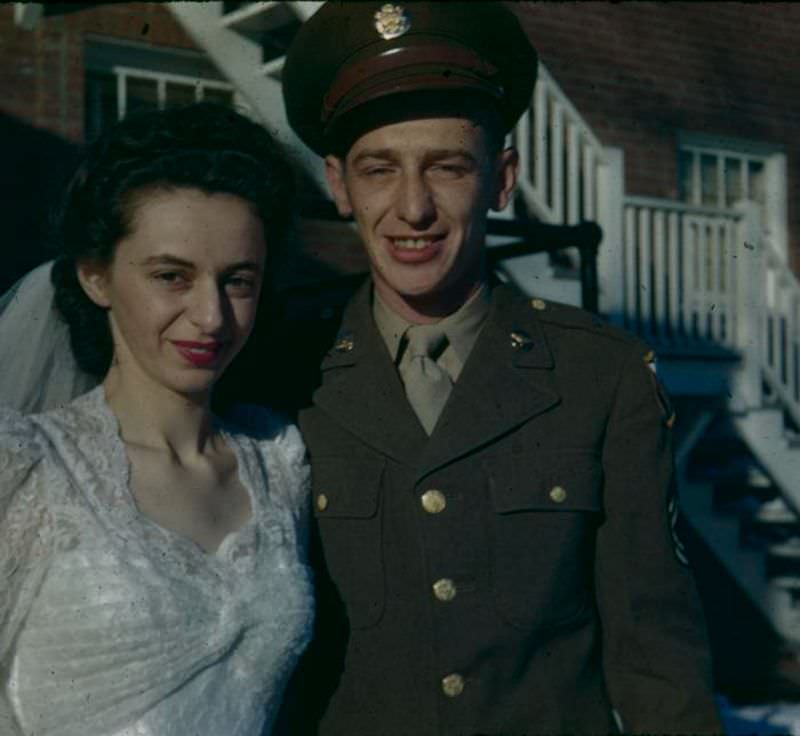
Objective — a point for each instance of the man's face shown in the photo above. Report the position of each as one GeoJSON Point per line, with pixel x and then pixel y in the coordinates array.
{"type": "Point", "coordinates": [420, 192]}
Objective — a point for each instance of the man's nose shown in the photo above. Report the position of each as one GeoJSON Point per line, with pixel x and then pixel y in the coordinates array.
{"type": "Point", "coordinates": [415, 203]}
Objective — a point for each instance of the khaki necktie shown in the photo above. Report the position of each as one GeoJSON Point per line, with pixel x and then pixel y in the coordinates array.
{"type": "Point", "coordinates": [427, 384]}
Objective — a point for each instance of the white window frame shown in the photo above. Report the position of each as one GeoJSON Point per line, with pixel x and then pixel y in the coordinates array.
{"type": "Point", "coordinates": [773, 158]}
{"type": "Point", "coordinates": [200, 84]}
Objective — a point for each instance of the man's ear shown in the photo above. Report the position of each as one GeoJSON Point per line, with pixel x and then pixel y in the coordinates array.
{"type": "Point", "coordinates": [93, 279]}
{"type": "Point", "coordinates": [505, 181]}
{"type": "Point", "coordinates": [334, 173]}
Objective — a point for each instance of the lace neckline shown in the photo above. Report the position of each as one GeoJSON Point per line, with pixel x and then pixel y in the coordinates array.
{"type": "Point", "coordinates": [95, 401]}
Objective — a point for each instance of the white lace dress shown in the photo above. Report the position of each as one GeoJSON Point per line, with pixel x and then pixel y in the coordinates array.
{"type": "Point", "coordinates": [111, 625]}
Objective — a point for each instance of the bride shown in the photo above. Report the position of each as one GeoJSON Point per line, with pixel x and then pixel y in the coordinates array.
{"type": "Point", "coordinates": [153, 579]}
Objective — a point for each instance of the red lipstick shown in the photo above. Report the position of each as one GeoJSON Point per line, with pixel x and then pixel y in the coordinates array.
{"type": "Point", "coordinates": [199, 354]}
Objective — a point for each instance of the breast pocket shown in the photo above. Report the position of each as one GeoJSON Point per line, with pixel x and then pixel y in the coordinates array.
{"type": "Point", "coordinates": [347, 493]}
{"type": "Point", "coordinates": [546, 512]}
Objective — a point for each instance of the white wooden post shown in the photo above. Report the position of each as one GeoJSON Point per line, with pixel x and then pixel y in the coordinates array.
{"type": "Point", "coordinates": [748, 251]}
{"type": "Point", "coordinates": [610, 216]}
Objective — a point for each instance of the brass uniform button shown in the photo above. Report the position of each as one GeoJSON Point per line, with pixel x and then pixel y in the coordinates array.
{"type": "Point", "coordinates": [453, 685]}
{"type": "Point", "coordinates": [322, 502]}
{"type": "Point", "coordinates": [538, 304]}
{"type": "Point", "coordinates": [444, 590]}
{"type": "Point", "coordinates": [558, 494]}
{"type": "Point", "coordinates": [433, 501]}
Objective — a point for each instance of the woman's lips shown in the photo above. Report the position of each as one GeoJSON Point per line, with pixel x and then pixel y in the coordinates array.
{"type": "Point", "coordinates": [199, 354]}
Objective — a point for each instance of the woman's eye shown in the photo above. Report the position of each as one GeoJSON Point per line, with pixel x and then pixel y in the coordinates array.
{"type": "Point", "coordinates": [170, 277]}
{"type": "Point", "coordinates": [240, 285]}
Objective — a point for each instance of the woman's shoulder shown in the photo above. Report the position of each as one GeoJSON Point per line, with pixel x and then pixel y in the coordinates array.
{"type": "Point", "coordinates": [27, 439]}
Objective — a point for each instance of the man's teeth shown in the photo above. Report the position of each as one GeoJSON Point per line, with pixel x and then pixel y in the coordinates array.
{"type": "Point", "coordinates": [413, 243]}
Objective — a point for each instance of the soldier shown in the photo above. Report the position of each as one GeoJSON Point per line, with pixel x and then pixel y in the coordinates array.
{"type": "Point", "coordinates": [491, 474]}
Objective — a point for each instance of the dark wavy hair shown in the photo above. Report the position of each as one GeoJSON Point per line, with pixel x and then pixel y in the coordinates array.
{"type": "Point", "coordinates": [202, 146]}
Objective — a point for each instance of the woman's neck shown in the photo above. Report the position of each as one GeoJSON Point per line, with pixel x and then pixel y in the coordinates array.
{"type": "Point", "coordinates": [153, 416]}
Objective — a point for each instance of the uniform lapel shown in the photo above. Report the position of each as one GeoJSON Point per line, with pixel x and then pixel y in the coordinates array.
{"type": "Point", "coordinates": [501, 385]}
{"type": "Point", "coordinates": [361, 390]}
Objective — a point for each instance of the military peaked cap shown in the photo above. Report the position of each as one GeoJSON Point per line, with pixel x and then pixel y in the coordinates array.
{"type": "Point", "coordinates": [381, 59]}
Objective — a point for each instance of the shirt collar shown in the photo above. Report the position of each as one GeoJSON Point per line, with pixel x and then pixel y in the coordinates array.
{"type": "Point", "coordinates": [461, 327]}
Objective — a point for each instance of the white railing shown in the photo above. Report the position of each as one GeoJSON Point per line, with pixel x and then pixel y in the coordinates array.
{"type": "Point", "coordinates": [680, 266]}
{"type": "Point", "coordinates": [779, 345]}
{"type": "Point", "coordinates": [560, 157]}
{"type": "Point", "coordinates": [696, 276]}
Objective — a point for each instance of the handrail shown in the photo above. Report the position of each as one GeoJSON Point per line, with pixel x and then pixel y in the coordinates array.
{"type": "Point", "coordinates": [560, 157]}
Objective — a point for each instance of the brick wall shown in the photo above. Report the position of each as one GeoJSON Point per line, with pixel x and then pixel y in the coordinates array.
{"type": "Point", "coordinates": [639, 72]}
{"type": "Point", "coordinates": [42, 111]}
{"type": "Point", "coordinates": [41, 71]}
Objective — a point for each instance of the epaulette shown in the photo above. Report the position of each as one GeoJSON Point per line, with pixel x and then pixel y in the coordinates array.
{"type": "Point", "coordinates": [571, 317]}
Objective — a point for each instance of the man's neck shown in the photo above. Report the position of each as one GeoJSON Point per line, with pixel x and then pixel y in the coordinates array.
{"type": "Point", "coordinates": [426, 309]}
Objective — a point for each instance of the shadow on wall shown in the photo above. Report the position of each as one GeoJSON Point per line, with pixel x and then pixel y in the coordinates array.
{"type": "Point", "coordinates": [35, 170]}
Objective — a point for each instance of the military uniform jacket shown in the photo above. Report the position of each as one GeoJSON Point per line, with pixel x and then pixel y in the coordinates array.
{"type": "Point", "coordinates": [514, 573]}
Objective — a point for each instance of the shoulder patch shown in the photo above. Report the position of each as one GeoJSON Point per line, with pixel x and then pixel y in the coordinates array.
{"type": "Point", "coordinates": [661, 397]}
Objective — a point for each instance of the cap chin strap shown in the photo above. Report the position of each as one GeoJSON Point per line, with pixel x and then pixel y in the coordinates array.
{"type": "Point", "coordinates": [39, 370]}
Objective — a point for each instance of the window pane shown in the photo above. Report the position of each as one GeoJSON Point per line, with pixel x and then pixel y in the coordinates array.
{"type": "Point", "coordinates": [686, 175]}
{"type": "Point", "coordinates": [709, 183]}
{"type": "Point", "coordinates": [141, 94]}
{"type": "Point", "coordinates": [180, 94]}
{"type": "Point", "coordinates": [222, 96]}
{"type": "Point", "coordinates": [733, 181]}
{"type": "Point", "coordinates": [756, 181]}
{"type": "Point", "coordinates": [100, 103]}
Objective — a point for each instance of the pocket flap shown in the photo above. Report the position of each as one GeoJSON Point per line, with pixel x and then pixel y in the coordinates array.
{"type": "Point", "coordinates": [563, 482]}
{"type": "Point", "coordinates": [346, 487]}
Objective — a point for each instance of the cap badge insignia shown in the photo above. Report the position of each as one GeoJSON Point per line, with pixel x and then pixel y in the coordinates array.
{"type": "Point", "coordinates": [392, 21]}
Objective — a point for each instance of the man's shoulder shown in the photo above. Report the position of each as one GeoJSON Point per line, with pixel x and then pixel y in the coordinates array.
{"type": "Point", "coordinates": [566, 321]}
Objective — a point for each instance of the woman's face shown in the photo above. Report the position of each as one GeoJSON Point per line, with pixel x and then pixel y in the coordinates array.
{"type": "Point", "coordinates": [182, 288]}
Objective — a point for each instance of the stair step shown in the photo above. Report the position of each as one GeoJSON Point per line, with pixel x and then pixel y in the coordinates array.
{"type": "Point", "coordinates": [721, 533]}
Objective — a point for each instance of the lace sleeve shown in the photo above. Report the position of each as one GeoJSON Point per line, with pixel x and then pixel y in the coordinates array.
{"type": "Point", "coordinates": [24, 536]}
{"type": "Point", "coordinates": [289, 444]}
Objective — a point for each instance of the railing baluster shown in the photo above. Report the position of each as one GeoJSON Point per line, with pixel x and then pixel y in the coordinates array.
{"type": "Point", "coordinates": [660, 299]}
{"type": "Point", "coordinates": [631, 273]}
{"type": "Point", "coordinates": [573, 174]}
{"type": "Point", "coordinates": [556, 200]}
{"type": "Point", "coordinates": [673, 274]}
{"type": "Point", "coordinates": [589, 183]}
{"type": "Point", "coordinates": [689, 275]}
{"type": "Point", "coordinates": [731, 283]}
{"type": "Point", "coordinates": [715, 300]}
{"type": "Point", "coordinates": [645, 265]}
{"type": "Point", "coordinates": [541, 185]}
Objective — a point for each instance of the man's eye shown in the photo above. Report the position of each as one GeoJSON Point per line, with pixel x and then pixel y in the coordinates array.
{"type": "Point", "coordinates": [449, 169]}
{"type": "Point", "coordinates": [377, 171]}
